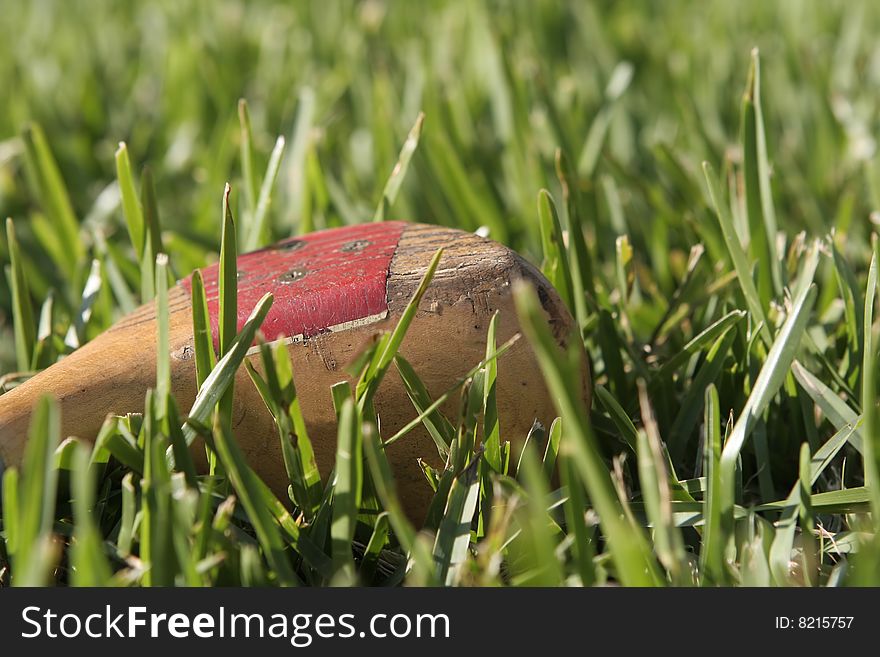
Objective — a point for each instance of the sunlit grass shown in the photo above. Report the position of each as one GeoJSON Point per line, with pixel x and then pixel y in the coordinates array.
{"type": "Point", "coordinates": [705, 208]}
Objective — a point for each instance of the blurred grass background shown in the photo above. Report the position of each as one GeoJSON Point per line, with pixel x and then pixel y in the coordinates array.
{"type": "Point", "coordinates": [503, 84]}
{"type": "Point", "coordinates": [634, 95]}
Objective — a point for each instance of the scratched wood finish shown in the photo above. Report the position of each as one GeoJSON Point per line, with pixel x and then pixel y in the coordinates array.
{"type": "Point", "coordinates": [111, 373]}
{"type": "Point", "coordinates": [321, 282]}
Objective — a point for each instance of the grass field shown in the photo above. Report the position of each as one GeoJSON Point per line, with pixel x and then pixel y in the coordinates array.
{"type": "Point", "coordinates": [700, 182]}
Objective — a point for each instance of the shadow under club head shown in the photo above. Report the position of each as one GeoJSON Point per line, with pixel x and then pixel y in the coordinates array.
{"type": "Point", "coordinates": [333, 291]}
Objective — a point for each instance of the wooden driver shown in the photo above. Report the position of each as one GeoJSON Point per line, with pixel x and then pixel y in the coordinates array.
{"type": "Point", "coordinates": [334, 290]}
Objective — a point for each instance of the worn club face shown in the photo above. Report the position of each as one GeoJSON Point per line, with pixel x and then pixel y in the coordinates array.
{"type": "Point", "coordinates": [329, 281]}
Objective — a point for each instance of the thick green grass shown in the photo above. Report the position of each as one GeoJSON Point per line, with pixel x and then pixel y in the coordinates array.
{"type": "Point", "coordinates": [700, 185]}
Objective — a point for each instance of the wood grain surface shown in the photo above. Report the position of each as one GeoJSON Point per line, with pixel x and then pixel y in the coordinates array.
{"type": "Point", "coordinates": [110, 374]}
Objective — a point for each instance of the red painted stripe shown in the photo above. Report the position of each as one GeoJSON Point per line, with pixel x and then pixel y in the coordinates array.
{"type": "Point", "coordinates": [319, 281]}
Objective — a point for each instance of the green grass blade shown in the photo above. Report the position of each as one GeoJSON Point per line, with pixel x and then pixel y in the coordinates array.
{"type": "Point", "coordinates": [555, 266]}
{"type": "Point", "coordinates": [395, 180]}
{"type": "Point", "coordinates": [737, 255]}
{"type": "Point", "coordinates": [296, 450]}
{"type": "Point", "coordinates": [692, 402]}
{"type": "Point", "coordinates": [150, 210]}
{"type": "Point", "coordinates": [847, 500]}
{"type": "Point", "coordinates": [45, 351]}
{"type": "Point", "coordinates": [203, 527]}
{"type": "Point", "coordinates": [89, 565]}
{"type": "Point", "coordinates": [63, 458]}
{"type": "Point", "coordinates": [654, 478]}
{"type": "Point", "coordinates": [533, 551]}
{"type": "Point", "coordinates": [347, 485]}
{"type": "Point", "coordinates": [618, 83]}
{"type": "Point", "coordinates": [442, 398]}
{"type": "Point", "coordinates": [580, 262]}
{"type": "Point", "coordinates": [767, 209]}
{"type": "Point", "coordinates": [227, 313]}
{"type": "Point", "coordinates": [183, 461]}
{"type": "Point", "coordinates": [826, 453]}
{"type": "Point", "coordinates": [76, 334]}
{"type": "Point", "coordinates": [115, 277]}
{"type": "Point", "coordinates": [248, 489]}
{"type": "Point", "coordinates": [534, 438]}
{"type": "Point", "coordinates": [464, 194]}
{"type": "Point", "coordinates": [246, 149]}
{"type": "Point", "coordinates": [383, 480]}
{"type": "Point", "coordinates": [251, 567]}
{"type": "Point", "coordinates": [491, 424]}
{"type": "Point", "coordinates": [147, 271]}
{"type": "Point", "coordinates": [22, 311]}
{"type": "Point", "coordinates": [583, 547]}
{"type": "Point", "coordinates": [295, 167]}
{"type": "Point", "coordinates": [11, 507]}
{"type": "Point", "coordinates": [131, 208]}
{"type": "Point", "coordinates": [771, 377]}
{"type": "Point", "coordinates": [228, 279]}
{"type": "Point", "coordinates": [786, 527]}
{"type": "Point", "coordinates": [466, 437]}
{"type": "Point", "coordinates": [634, 563]}
{"type": "Point", "coordinates": [762, 242]}
{"type": "Point", "coordinates": [111, 441]}
{"type": "Point", "coordinates": [311, 554]}
{"type": "Point", "coordinates": [303, 444]}
{"type": "Point", "coordinates": [369, 383]}
{"type": "Point", "coordinates": [259, 232]}
{"type": "Point", "coordinates": [611, 345]}
{"type": "Point", "coordinates": [378, 539]}
{"type": "Point", "coordinates": [869, 388]}
{"type": "Point", "coordinates": [163, 345]}
{"type": "Point", "coordinates": [438, 426]}
{"type": "Point", "coordinates": [156, 548]}
{"type": "Point", "coordinates": [852, 303]}
{"type": "Point", "coordinates": [809, 550]}
{"type": "Point", "coordinates": [454, 532]}
{"type": "Point", "coordinates": [203, 341]}
{"type": "Point", "coordinates": [127, 520]}
{"type": "Point", "coordinates": [835, 409]}
{"type": "Point", "coordinates": [52, 194]}
{"type": "Point", "coordinates": [38, 485]}
{"type": "Point", "coordinates": [712, 561]}
{"type": "Point", "coordinates": [340, 392]}
{"type": "Point", "coordinates": [551, 451]}
{"type": "Point", "coordinates": [624, 424]}
{"type": "Point", "coordinates": [221, 377]}
{"type": "Point", "coordinates": [704, 339]}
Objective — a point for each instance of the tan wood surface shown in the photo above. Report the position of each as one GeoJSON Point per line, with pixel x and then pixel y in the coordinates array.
{"type": "Point", "coordinates": [111, 373]}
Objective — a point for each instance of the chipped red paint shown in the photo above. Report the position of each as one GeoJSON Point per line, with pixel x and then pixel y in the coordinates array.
{"type": "Point", "coordinates": [320, 281]}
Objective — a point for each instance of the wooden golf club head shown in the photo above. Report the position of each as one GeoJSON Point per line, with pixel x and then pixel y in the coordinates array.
{"type": "Point", "coordinates": [334, 290]}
